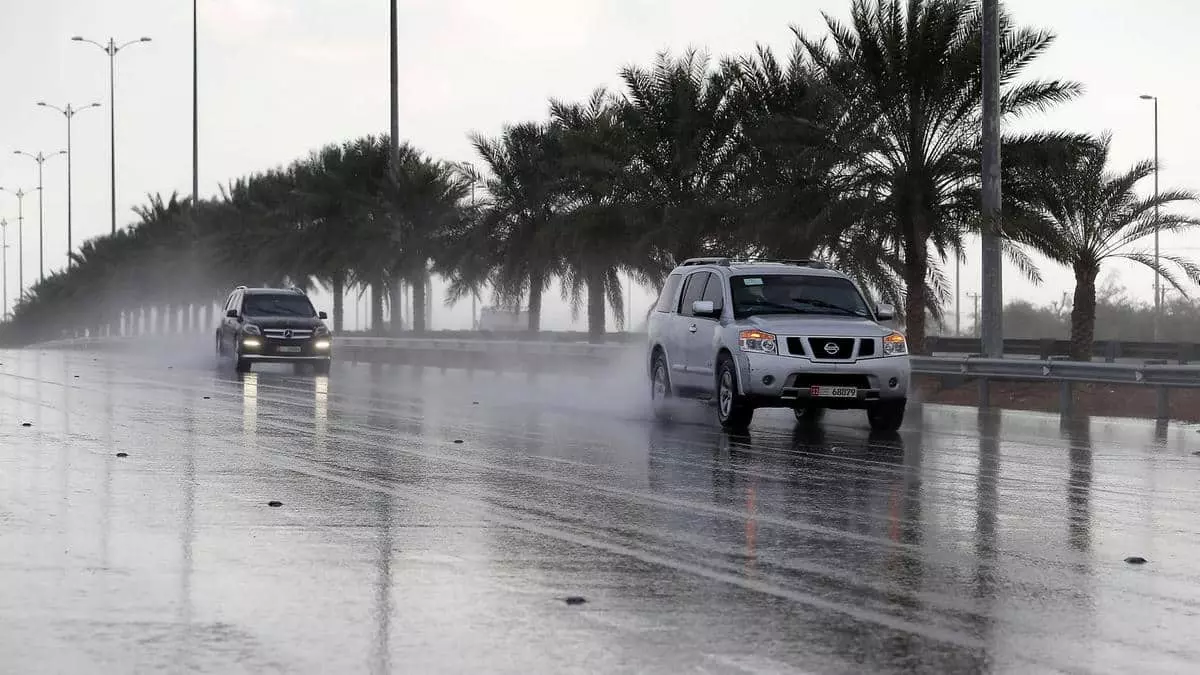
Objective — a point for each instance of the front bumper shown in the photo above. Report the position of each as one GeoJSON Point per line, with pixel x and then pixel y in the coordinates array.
{"type": "Point", "coordinates": [787, 380]}
{"type": "Point", "coordinates": [253, 348]}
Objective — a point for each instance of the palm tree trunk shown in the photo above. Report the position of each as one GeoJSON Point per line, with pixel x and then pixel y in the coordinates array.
{"type": "Point", "coordinates": [916, 269]}
{"type": "Point", "coordinates": [596, 302]}
{"type": "Point", "coordinates": [377, 291]}
{"type": "Point", "coordinates": [339, 301]}
{"type": "Point", "coordinates": [1083, 314]}
{"type": "Point", "coordinates": [419, 323]}
{"type": "Point", "coordinates": [536, 281]}
{"type": "Point", "coordinates": [398, 307]}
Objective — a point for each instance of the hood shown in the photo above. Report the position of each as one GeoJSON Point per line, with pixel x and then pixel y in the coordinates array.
{"type": "Point", "coordinates": [817, 325]}
{"type": "Point", "coordinates": [284, 321]}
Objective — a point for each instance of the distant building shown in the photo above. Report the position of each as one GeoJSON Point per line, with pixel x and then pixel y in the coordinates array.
{"type": "Point", "coordinates": [497, 319]}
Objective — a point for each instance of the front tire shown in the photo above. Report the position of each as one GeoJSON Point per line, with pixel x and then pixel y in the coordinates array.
{"type": "Point", "coordinates": [660, 387]}
{"type": "Point", "coordinates": [809, 415]}
{"type": "Point", "coordinates": [321, 367]}
{"type": "Point", "coordinates": [243, 365]}
{"type": "Point", "coordinates": [734, 412]}
{"type": "Point", "coordinates": [886, 416]}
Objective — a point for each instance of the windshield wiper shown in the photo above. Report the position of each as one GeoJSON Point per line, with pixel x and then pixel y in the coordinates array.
{"type": "Point", "coordinates": [826, 305]}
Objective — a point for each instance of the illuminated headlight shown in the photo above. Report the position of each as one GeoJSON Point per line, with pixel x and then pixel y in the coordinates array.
{"type": "Point", "coordinates": [251, 329]}
{"type": "Point", "coordinates": [757, 341]}
{"type": "Point", "coordinates": [251, 342]}
{"type": "Point", "coordinates": [321, 344]}
{"type": "Point", "coordinates": [895, 345]}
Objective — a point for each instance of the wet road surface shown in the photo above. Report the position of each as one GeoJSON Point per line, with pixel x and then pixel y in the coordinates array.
{"type": "Point", "coordinates": [967, 543]}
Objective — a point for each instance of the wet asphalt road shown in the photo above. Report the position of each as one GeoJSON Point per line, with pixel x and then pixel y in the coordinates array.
{"type": "Point", "coordinates": [966, 543]}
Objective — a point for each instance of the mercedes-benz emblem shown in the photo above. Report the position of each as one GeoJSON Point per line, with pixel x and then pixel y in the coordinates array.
{"type": "Point", "coordinates": [831, 348]}
{"type": "Point", "coordinates": [288, 334]}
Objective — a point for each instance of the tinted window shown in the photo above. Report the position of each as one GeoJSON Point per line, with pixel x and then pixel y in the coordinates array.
{"type": "Point", "coordinates": [692, 292]}
{"type": "Point", "coordinates": [795, 294]}
{"type": "Point", "coordinates": [281, 304]}
{"type": "Point", "coordinates": [714, 291]}
{"type": "Point", "coordinates": [666, 299]}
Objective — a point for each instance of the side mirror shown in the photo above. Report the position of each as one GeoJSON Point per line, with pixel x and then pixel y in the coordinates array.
{"type": "Point", "coordinates": [322, 315]}
{"type": "Point", "coordinates": [885, 312]}
{"type": "Point", "coordinates": [232, 314]}
{"type": "Point", "coordinates": [705, 308]}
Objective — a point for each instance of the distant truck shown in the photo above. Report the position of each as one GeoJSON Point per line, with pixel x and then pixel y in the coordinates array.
{"type": "Point", "coordinates": [503, 320]}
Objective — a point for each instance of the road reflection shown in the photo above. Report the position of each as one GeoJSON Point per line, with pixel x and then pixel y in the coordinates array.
{"type": "Point", "coordinates": [249, 411]}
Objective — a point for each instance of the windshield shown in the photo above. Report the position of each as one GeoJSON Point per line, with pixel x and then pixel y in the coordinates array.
{"type": "Point", "coordinates": [795, 294]}
{"type": "Point", "coordinates": [277, 305]}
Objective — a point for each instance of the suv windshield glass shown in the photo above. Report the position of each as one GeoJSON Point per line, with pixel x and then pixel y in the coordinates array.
{"type": "Point", "coordinates": [795, 294]}
{"type": "Point", "coordinates": [281, 304]}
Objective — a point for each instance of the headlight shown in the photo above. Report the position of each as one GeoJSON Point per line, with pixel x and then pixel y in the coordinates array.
{"type": "Point", "coordinates": [251, 329]}
{"type": "Point", "coordinates": [321, 344]}
{"type": "Point", "coordinates": [251, 342]}
{"type": "Point", "coordinates": [895, 345]}
{"type": "Point", "coordinates": [757, 341]}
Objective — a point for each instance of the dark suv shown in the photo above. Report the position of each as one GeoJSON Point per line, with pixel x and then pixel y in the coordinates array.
{"type": "Point", "coordinates": [273, 325]}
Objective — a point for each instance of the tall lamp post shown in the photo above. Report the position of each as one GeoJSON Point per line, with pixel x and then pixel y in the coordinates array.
{"type": "Point", "coordinates": [69, 113]}
{"type": "Point", "coordinates": [1157, 276]}
{"type": "Point", "coordinates": [20, 195]}
{"type": "Point", "coordinates": [4, 247]}
{"type": "Point", "coordinates": [41, 162]}
{"type": "Point", "coordinates": [111, 49]}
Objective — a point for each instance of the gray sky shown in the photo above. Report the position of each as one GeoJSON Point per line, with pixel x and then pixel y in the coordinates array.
{"type": "Point", "coordinates": [282, 77]}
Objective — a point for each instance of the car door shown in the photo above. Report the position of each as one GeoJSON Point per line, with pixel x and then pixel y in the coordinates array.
{"type": "Point", "coordinates": [702, 334]}
{"type": "Point", "coordinates": [684, 331]}
{"type": "Point", "coordinates": [229, 326]}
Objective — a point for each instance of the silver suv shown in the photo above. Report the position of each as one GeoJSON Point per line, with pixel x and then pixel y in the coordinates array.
{"type": "Point", "coordinates": [779, 334]}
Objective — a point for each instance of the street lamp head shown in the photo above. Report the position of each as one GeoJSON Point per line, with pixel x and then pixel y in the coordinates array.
{"type": "Point", "coordinates": [145, 39]}
{"type": "Point", "coordinates": [1147, 97]}
{"type": "Point", "coordinates": [42, 103]}
{"type": "Point", "coordinates": [77, 38]}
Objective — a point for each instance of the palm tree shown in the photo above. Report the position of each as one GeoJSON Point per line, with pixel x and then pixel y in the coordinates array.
{"type": "Point", "coordinates": [913, 69]}
{"type": "Point", "coordinates": [1079, 214]}
{"type": "Point", "coordinates": [682, 131]}
{"type": "Point", "coordinates": [524, 199]}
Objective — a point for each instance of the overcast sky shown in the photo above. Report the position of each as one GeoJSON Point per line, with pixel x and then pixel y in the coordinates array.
{"type": "Point", "coordinates": [279, 78]}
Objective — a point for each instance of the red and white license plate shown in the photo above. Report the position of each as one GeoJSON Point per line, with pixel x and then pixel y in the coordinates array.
{"type": "Point", "coordinates": [833, 392]}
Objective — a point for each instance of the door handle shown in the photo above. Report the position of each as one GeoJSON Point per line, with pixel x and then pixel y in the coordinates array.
{"type": "Point", "coordinates": [692, 329]}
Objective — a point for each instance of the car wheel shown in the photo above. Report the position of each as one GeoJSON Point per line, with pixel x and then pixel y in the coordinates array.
{"type": "Point", "coordinates": [886, 415]}
{"type": "Point", "coordinates": [321, 367]}
{"type": "Point", "coordinates": [734, 412]}
{"type": "Point", "coordinates": [660, 387]}
{"type": "Point", "coordinates": [809, 414]}
{"type": "Point", "coordinates": [243, 365]}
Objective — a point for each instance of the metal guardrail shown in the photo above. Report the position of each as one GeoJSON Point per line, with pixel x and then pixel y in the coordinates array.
{"type": "Point", "coordinates": [1109, 350]}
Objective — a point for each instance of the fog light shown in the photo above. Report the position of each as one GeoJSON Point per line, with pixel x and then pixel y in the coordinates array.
{"type": "Point", "coordinates": [321, 344]}
{"type": "Point", "coordinates": [893, 382]}
{"type": "Point", "coordinates": [769, 380]}
{"type": "Point", "coordinates": [251, 342]}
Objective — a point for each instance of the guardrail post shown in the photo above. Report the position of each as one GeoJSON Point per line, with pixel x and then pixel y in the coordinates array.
{"type": "Point", "coordinates": [984, 393]}
{"type": "Point", "coordinates": [1064, 398]}
{"type": "Point", "coordinates": [1162, 407]}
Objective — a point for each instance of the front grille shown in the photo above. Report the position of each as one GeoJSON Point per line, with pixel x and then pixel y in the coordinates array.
{"type": "Point", "coordinates": [866, 348]}
{"type": "Point", "coordinates": [819, 348]}
{"type": "Point", "coordinates": [279, 333]}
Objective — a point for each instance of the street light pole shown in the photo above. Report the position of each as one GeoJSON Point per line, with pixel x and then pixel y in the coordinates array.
{"type": "Point", "coordinates": [41, 162]}
{"type": "Point", "coordinates": [69, 113]}
{"type": "Point", "coordinates": [195, 107]}
{"type": "Point", "coordinates": [20, 194]}
{"type": "Point", "coordinates": [111, 49]}
{"type": "Point", "coordinates": [1157, 223]}
{"type": "Point", "coordinates": [4, 246]}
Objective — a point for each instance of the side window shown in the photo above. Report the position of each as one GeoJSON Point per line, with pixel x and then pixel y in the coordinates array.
{"type": "Point", "coordinates": [692, 292]}
{"type": "Point", "coordinates": [715, 291]}
{"type": "Point", "coordinates": [229, 301]}
{"type": "Point", "coordinates": [236, 302]}
{"type": "Point", "coordinates": [666, 299]}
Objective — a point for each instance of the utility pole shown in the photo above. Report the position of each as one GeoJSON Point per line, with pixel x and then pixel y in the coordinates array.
{"type": "Point", "coordinates": [958, 291]}
{"type": "Point", "coordinates": [195, 107]}
{"type": "Point", "coordinates": [992, 288]}
{"type": "Point", "coordinates": [1157, 223]}
{"type": "Point", "coordinates": [4, 247]}
{"type": "Point", "coordinates": [975, 297]}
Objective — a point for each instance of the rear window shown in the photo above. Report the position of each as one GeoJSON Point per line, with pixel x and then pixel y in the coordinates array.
{"type": "Point", "coordinates": [281, 304]}
{"type": "Point", "coordinates": [666, 299]}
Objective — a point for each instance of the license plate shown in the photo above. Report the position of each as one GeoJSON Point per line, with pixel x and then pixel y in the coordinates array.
{"type": "Point", "coordinates": [833, 392]}
{"type": "Point", "coordinates": [289, 350]}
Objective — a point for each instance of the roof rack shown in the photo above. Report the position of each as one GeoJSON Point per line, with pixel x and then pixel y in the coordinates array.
{"type": "Point", "coordinates": [239, 288]}
{"type": "Point", "coordinates": [724, 262]}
